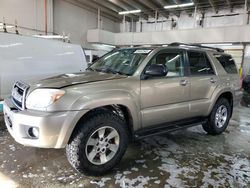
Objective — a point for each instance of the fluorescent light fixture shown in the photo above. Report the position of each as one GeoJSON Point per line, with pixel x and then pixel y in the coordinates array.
{"type": "Point", "coordinates": [218, 44]}
{"type": "Point", "coordinates": [103, 45]}
{"type": "Point", "coordinates": [51, 36]}
{"type": "Point", "coordinates": [129, 12]}
{"type": "Point", "coordinates": [7, 26]}
{"type": "Point", "coordinates": [179, 5]}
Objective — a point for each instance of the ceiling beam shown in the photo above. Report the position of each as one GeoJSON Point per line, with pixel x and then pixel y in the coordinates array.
{"type": "Point", "coordinates": [153, 7]}
{"type": "Point", "coordinates": [139, 6]}
{"type": "Point", "coordinates": [229, 4]}
{"type": "Point", "coordinates": [120, 4]}
{"type": "Point", "coordinates": [176, 2]}
{"type": "Point", "coordinates": [93, 8]}
{"type": "Point", "coordinates": [96, 6]}
{"type": "Point", "coordinates": [196, 3]}
{"type": "Point", "coordinates": [109, 5]}
{"type": "Point", "coordinates": [211, 2]}
{"type": "Point", "coordinates": [162, 3]}
{"type": "Point", "coordinates": [115, 8]}
{"type": "Point", "coordinates": [125, 7]}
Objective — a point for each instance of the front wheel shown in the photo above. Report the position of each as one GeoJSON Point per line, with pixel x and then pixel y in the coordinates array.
{"type": "Point", "coordinates": [219, 117]}
{"type": "Point", "coordinates": [98, 144]}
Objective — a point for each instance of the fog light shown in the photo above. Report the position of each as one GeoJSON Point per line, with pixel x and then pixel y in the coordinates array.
{"type": "Point", "coordinates": [33, 132]}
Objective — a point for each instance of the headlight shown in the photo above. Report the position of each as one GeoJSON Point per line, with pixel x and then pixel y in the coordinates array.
{"type": "Point", "coordinates": [40, 99]}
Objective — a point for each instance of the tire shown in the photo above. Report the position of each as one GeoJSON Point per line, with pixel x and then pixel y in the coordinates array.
{"type": "Point", "coordinates": [215, 126]}
{"type": "Point", "coordinates": [96, 131]}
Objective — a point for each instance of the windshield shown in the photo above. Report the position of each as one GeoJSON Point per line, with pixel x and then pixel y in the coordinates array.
{"type": "Point", "coordinates": [124, 61]}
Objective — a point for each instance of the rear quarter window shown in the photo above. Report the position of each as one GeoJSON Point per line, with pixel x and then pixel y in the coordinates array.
{"type": "Point", "coordinates": [227, 63]}
{"type": "Point", "coordinates": [199, 64]}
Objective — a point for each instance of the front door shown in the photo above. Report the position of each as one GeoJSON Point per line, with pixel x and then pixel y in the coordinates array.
{"type": "Point", "coordinates": [166, 99]}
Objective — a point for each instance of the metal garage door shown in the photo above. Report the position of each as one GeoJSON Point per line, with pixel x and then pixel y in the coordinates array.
{"type": "Point", "coordinates": [237, 55]}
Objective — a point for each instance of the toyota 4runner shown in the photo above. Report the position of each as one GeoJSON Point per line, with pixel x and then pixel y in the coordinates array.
{"type": "Point", "coordinates": [127, 94]}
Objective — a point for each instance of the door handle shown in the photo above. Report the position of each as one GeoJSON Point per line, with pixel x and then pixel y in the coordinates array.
{"type": "Point", "coordinates": [183, 82]}
{"type": "Point", "coordinates": [212, 80]}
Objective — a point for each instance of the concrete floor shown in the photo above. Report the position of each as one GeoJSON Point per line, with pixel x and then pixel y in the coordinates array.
{"type": "Point", "coordinates": [186, 158]}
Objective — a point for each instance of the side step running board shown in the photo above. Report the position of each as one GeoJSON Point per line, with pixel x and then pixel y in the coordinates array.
{"type": "Point", "coordinates": [163, 129]}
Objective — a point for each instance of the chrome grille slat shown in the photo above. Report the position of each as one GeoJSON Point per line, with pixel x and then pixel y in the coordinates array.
{"type": "Point", "coordinates": [18, 94]}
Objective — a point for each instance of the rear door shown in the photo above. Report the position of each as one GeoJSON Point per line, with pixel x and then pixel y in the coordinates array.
{"type": "Point", "coordinates": [232, 77]}
{"type": "Point", "coordinates": [203, 82]}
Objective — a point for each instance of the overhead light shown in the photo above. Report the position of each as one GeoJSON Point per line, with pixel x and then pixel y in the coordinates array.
{"type": "Point", "coordinates": [129, 12]}
{"type": "Point", "coordinates": [51, 36]}
{"type": "Point", "coordinates": [179, 5]}
{"type": "Point", "coordinates": [7, 26]}
{"type": "Point", "coordinates": [218, 44]}
{"type": "Point", "coordinates": [104, 45]}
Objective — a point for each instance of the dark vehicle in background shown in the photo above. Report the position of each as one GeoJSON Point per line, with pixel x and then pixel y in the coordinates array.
{"type": "Point", "coordinates": [246, 83]}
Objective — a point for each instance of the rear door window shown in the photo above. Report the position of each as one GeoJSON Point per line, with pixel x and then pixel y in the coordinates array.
{"type": "Point", "coordinates": [227, 63]}
{"type": "Point", "coordinates": [199, 64]}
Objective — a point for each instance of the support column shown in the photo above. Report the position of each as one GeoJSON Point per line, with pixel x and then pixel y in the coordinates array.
{"type": "Point", "coordinates": [156, 15]}
{"type": "Point", "coordinates": [45, 18]}
{"type": "Point", "coordinates": [98, 18]}
{"type": "Point", "coordinates": [124, 23]}
{"type": "Point", "coordinates": [132, 26]}
{"type": "Point", "coordinates": [195, 14]}
{"type": "Point", "coordinates": [246, 10]}
{"type": "Point", "coordinates": [50, 16]}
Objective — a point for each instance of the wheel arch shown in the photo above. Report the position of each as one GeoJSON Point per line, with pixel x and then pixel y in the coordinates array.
{"type": "Point", "coordinates": [227, 95]}
{"type": "Point", "coordinates": [121, 110]}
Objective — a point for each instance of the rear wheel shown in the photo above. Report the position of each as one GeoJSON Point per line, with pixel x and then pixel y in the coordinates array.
{"type": "Point", "coordinates": [219, 117]}
{"type": "Point", "coordinates": [98, 144]}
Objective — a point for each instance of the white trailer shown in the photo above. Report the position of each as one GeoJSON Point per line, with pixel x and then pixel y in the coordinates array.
{"type": "Point", "coordinates": [29, 58]}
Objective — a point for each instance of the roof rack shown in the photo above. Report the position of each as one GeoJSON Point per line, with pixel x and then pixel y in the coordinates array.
{"type": "Point", "coordinates": [196, 45]}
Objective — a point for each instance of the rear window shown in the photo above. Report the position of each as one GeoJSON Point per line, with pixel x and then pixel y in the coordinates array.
{"type": "Point", "coordinates": [227, 63]}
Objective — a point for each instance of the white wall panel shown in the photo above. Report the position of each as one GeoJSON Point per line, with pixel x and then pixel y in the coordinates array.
{"type": "Point", "coordinates": [76, 21]}
{"type": "Point", "coordinates": [190, 21]}
{"type": "Point", "coordinates": [209, 35]}
{"type": "Point", "coordinates": [28, 13]}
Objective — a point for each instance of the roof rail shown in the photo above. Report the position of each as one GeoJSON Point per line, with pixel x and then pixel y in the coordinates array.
{"type": "Point", "coordinates": [196, 45]}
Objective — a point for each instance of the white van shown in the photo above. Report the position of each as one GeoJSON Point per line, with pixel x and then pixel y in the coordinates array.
{"type": "Point", "coordinates": [27, 57]}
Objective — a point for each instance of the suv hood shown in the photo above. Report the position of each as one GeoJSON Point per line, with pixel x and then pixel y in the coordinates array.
{"type": "Point", "coordinates": [65, 80]}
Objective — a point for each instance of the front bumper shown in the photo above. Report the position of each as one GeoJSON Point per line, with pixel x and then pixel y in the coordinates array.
{"type": "Point", "coordinates": [54, 128]}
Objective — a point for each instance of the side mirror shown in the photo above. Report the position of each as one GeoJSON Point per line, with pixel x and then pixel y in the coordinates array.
{"type": "Point", "coordinates": [156, 70]}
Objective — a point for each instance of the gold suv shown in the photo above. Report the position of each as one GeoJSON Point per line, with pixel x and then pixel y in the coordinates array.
{"type": "Point", "coordinates": [128, 94]}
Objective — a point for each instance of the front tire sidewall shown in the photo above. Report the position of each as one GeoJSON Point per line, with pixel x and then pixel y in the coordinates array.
{"type": "Point", "coordinates": [113, 161]}
{"type": "Point", "coordinates": [88, 128]}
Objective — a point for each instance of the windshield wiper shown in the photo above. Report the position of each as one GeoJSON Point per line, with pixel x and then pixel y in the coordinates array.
{"type": "Point", "coordinates": [91, 69]}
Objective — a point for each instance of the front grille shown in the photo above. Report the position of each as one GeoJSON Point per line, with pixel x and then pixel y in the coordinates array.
{"type": "Point", "coordinates": [19, 93]}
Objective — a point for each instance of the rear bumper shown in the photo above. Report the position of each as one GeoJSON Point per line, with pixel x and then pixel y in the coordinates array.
{"type": "Point", "coordinates": [237, 97]}
{"type": "Point", "coordinates": [54, 128]}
